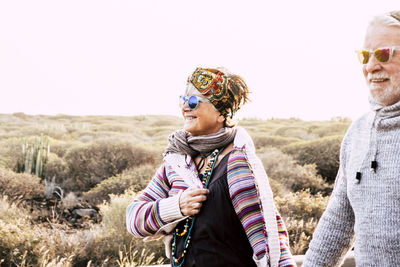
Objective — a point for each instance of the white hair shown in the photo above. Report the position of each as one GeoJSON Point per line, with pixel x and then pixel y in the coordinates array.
{"type": "Point", "coordinates": [191, 90]}
{"type": "Point", "coordinates": [391, 18]}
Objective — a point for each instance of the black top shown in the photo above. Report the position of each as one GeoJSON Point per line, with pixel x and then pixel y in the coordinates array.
{"type": "Point", "coordinates": [218, 237]}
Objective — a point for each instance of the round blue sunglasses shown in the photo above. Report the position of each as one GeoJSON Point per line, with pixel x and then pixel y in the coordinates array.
{"type": "Point", "coordinates": [193, 101]}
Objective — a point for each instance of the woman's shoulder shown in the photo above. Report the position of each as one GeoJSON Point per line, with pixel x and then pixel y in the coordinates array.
{"type": "Point", "coordinates": [237, 156]}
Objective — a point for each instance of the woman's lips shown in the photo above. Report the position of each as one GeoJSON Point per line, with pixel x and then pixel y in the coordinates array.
{"type": "Point", "coordinates": [189, 118]}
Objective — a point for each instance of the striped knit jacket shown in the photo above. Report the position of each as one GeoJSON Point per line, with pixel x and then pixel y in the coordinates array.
{"type": "Point", "coordinates": [155, 212]}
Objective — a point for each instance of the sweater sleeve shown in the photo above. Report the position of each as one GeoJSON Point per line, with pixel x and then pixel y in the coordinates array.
{"type": "Point", "coordinates": [246, 203]}
{"type": "Point", "coordinates": [154, 208]}
{"type": "Point", "coordinates": [286, 257]}
{"type": "Point", "coordinates": [334, 234]}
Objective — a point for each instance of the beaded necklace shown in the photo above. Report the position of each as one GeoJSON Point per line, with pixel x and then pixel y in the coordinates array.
{"type": "Point", "coordinates": [205, 179]}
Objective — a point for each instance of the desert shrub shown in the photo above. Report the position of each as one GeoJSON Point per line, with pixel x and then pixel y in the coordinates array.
{"type": "Point", "coordinates": [333, 128]}
{"type": "Point", "coordinates": [167, 121]}
{"type": "Point", "coordinates": [21, 115]}
{"type": "Point", "coordinates": [78, 246]}
{"type": "Point", "coordinates": [115, 127]}
{"type": "Point", "coordinates": [3, 162]}
{"type": "Point", "coordinates": [301, 212]}
{"type": "Point", "coordinates": [277, 187]}
{"type": "Point", "coordinates": [133, 258]}
{"type": "Point", "coordinates": [299, 132]}
{"type": "Point", "coordinates": [18, 242]}
{"type": "Point", "coordinates": [159, 131]}
{"type": "Point", "coordinates": [56, 168]}
{"type": "Point", "coordinates": [23, 153]}
{"type": "Point", "coordinates": [116, 237]}
{"type": "Point", "coordinates": [56, 131]}
{"type": "Point", "coordinates": [272, 141]}
{"type": "Point", "coordinates": [103, 244]}
{"type": "Point", "coordinates": [301, 205]}
{"type": "Point", "coordinates": [293, 177]}
{"type": "Point", "coordinates": [70, 201]}
{"type": "Point", "coordinates": [11, 152]}
{"type": "Point", "coordinates": [92, 163]}
{"type": "Point", "coordinates": [300, 234]}
{"type": "Point", "coordinates": [86, 139]}
{"type": "Point", "coordinates": [18, 186]}
{"type": "Point", "coordinates": [60, 148]}
{"type": "Point", "coordinates": [324, 152]}
{"type": "Point", "coordinates": [135, 179]}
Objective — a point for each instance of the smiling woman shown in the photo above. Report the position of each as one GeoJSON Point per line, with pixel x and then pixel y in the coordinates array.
{"type": "Point", "coordinates": [210, 199]}
{"type": "Point", "coordinates": [225, 93]}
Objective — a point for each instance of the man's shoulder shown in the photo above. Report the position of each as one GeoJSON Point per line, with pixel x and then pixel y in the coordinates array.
{"type": "Point", "coordinates": [359, 129]}
{"type": "Point", "coordinates": [362, 124]}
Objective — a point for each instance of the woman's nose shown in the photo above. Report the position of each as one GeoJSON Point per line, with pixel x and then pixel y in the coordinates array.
{"type": "Point", "coordinates": [185, 105]}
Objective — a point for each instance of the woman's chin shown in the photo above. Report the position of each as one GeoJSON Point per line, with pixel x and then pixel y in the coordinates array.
{"type": "Point", "coordinates": [189, 125]}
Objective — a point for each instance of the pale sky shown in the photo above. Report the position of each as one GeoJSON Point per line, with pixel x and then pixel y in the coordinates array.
{"type": "Point", "coordinates": [133, 57]}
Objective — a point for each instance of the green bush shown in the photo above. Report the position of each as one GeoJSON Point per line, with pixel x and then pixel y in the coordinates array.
{"type": "Point", "coordinates": [324, 152]}
{"type": "Point", "coordinates": [20, 186]}
{"type": "Point", "coordinates": [272, 141]}
{"type": "Point", "coordinates": [90, 164]}
{"type": "Point", "coordinates": [282, 168]}
{"type": "Point", "coordinates": [135, 179]}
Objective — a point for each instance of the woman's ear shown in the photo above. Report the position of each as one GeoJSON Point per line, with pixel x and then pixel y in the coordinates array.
{"type": "Point", "coordinates": [221, 118]}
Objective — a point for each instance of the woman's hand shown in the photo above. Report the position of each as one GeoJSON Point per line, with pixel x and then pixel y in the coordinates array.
{"type": "Point", "coordinates": [191, 200]}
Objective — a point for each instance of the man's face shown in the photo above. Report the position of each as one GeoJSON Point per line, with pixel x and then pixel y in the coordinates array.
{"type": "Point", "coordinates": [383, 79]}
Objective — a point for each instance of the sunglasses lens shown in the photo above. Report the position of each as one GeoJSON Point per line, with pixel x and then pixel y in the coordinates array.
{"type": "Point", "coordinates": [193, 102]}
{"type": "Point", "coordinates": [383, 54]}
{"type": "Point", "coordinates": [363, 56]}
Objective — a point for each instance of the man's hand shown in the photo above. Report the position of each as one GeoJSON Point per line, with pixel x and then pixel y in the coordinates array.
{"type": "Point", "coordinates": [191, 200]}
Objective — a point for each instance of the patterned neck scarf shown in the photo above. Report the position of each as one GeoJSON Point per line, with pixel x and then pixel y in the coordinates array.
{"type": "Point", "coordinates": [182, 142]}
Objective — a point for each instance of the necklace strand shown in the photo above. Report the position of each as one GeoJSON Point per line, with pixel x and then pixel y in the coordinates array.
{"type": "Point", "coordinates": [178, 261]}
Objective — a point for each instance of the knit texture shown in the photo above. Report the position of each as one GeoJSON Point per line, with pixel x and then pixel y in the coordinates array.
{"type": "Point", "coordinates": [184, 143]}
{"type": "Point", "coordinates": [364, 211]}
{"type": "Point", "coordinates": [144, 219]}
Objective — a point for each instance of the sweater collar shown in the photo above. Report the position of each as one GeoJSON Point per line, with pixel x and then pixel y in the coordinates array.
{"type": "Point", "coordinates": [385, 111]}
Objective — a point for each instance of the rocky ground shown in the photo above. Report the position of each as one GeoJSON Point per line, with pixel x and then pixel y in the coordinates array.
{"type": "Point", "coordinates": [53, 210]}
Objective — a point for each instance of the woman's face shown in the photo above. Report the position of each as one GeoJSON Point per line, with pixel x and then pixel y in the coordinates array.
{"type": "Point", "coordinates": [203, 120]}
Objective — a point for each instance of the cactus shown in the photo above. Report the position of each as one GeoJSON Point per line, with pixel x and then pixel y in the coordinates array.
{"type": "Point", "coordinates": [34, 156]}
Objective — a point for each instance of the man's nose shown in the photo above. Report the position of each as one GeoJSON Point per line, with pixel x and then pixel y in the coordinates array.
{"type": "Point", "coordinates": [373, 64]}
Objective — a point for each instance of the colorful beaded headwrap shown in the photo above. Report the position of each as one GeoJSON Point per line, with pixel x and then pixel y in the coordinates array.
{"type": "Point", "coordinates": [224, 91]}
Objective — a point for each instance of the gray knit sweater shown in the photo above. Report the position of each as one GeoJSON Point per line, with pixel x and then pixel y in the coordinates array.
{"type": "Point", "coordinates": [364, 208]}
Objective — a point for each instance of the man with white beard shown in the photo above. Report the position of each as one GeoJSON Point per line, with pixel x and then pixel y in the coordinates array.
{"type": "Point", "coordinates": [364, 209]}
